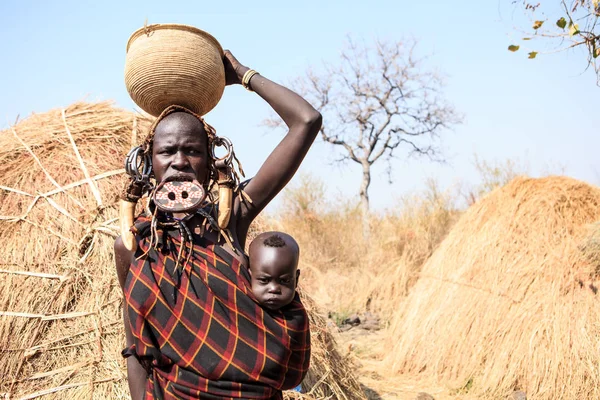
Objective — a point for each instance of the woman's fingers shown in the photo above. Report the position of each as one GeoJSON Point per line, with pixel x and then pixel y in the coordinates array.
{"type": "Point", "coordinates": [233, 69]}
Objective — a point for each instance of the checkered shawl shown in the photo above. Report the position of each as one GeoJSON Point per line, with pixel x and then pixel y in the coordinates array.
{"type": "Point", "coordinates": [200, 333]}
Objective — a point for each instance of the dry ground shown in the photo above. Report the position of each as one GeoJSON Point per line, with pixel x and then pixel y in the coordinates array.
{"type": "Point", "coordinates": [366, 349]}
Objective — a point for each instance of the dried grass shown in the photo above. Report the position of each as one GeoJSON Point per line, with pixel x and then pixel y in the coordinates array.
{"type": "Point", "coordinates": [347, 273]}
{"type": "Point", "coordinates": [60, 307]}
{"type": "Point", "coordinates": [508, 301]}
{"type": "Point", "coordinates": [60, 325]}
{"type": "Point", "coordinates": [331, 375]}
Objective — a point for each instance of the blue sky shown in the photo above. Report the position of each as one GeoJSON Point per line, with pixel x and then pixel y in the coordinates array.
{"type": "Point", "coordinates": [542, 112]}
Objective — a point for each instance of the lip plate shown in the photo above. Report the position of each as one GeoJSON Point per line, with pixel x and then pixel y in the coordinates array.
{"type": "Point", "coordinates": [179, 177]}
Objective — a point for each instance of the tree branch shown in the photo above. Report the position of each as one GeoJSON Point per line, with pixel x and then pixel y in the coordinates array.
{"type": "Point", "coordinates": [377, 100]}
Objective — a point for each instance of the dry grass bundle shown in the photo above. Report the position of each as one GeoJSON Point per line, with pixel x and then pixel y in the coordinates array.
{"type": "Point", "coordinates": [60, 326]}
{"type": "Point", "coordinates": [60, 307]}
{"type": "Point", "coordinates": [505, 302]}
{"type": "Point", "coordinates": [347, 273]}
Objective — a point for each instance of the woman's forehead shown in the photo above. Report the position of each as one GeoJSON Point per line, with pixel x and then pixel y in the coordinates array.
{"type": "Point", "coordinates": [179, 123]}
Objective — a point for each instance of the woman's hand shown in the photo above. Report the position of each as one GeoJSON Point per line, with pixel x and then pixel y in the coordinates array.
{"type": "Point", "coordinates": [234, 71]}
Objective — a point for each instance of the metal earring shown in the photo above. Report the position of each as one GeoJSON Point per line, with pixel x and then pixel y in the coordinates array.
{"type": "Point", "coordinates": [138, 165]}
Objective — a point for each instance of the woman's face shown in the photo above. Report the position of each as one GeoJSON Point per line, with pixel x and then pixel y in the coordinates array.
{"type": "Point", "coordinates": [180, 149]}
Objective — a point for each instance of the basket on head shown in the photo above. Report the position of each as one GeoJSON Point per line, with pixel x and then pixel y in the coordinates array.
{"type": "Point", "coordinates": [170, 64]}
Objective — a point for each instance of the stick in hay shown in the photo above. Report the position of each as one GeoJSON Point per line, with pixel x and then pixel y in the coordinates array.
{"type": "Point", "coordinates": [36, 274]}
{"type": "Point", "coordinates": [8, 189]}
{"type": "Point", "coordinates": [90, 245]}
{"type": "Point", "coordinates": [84, 181]}
{"type": "Point", "coordinates": [47, 344]}
{"type": "Point", "coordinates": [39, 163]}
{"type": "Point", "coordinates": [62, 210]}
{"type": "Point", "coordinates": [44, 317]}
{"type": "Point", "coordinates": [65, 387]}
{"type": "Point", "coordinates": [114, 232]}
{"type": "Point", "coordinates": [14, 218]}
{"type": "Point", "coordinates": [10, 218]}
{"type": "Point", "coordinates": [58, 371]}
{"type": "Point", "coordinates": [93, 187]}
{"type": "Point", "coordinates": [66, 239]}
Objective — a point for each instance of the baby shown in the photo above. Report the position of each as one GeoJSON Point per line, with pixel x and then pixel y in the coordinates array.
{"type": "Point", "coordinates": [274, 269]}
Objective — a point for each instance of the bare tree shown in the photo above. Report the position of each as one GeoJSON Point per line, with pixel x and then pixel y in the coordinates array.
{"type": "Point", "coordinates": [561, 25]}
{"type": "Point", "coordinates": [378, 101]}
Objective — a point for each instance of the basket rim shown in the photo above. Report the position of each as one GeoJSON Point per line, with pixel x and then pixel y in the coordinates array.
{"type": "Point", "coordinates": [182, 27]}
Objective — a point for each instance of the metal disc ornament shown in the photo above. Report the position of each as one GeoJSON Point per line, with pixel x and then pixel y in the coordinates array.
{"type": "Point", "coordinates": [179, 196]}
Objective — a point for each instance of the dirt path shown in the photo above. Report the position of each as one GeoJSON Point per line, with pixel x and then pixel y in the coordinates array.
{"type": "Point", "coordinates": [366, 348]}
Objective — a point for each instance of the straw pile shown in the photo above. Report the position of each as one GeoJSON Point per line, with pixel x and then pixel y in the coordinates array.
{"type": "Point", "coordinates": [508, 301]}
{"type": "Point", "coordinates": [60, 303]}
{"type": "Point", "coordinates": [60, 327]}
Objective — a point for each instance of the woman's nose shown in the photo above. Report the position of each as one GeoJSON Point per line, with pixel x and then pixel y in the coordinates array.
{"type": "Point", "coordinates": [179, 160]}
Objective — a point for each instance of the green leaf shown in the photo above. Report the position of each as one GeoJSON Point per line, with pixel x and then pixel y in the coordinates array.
{"type": "Point", "coordinates": [561, 23]}
{"type": "Point", "coordinates": [573, 29]}
{"type": "Point", "coordinates": [538, 24]}
{"type": "Point", "coordinates": [596, 52]}
{"type": "Point", "coordinates": [513, 48]}
{"type": "Point", "coordinates": [532, 54]}
{"type": "Point", "coordinates": [526, 38]}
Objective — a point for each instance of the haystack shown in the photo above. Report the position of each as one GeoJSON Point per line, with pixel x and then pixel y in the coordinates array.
{"type": "Point", "coordinates": [60, 303]}
{"type": "Point", "coordinates": [509, 299]}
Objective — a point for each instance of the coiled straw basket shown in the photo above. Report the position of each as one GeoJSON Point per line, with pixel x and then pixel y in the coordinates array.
{"type": "Point", "coordinates": [170, 64]}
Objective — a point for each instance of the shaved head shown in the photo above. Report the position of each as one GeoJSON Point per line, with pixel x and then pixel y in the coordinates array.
{"type": "Point", "coordinates": [276, 239]}
{"type": "Point", "coordinates": [180, 121]}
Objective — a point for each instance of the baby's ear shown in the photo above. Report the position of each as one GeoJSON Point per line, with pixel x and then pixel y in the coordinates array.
{"type": "Point", "coordinates": [297, 277]}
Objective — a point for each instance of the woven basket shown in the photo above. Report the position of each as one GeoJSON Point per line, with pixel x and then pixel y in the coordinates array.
{"type": "Point", "coordinates": [169, 64]}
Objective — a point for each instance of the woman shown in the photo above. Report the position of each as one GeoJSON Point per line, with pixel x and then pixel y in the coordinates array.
{"type": "Point", "coordinates": [193, 328]}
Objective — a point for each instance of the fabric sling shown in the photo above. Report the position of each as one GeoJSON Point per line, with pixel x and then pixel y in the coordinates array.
{"type": "Point", "coordinates": [198, 330]}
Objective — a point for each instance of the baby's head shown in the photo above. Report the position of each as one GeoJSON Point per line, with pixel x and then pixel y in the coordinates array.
{"type": "Point", "coordinates": [274, 269]}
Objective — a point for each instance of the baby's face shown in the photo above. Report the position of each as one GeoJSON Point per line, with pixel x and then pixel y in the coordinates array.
{"type": "Point", "coordinates": [274, 276]}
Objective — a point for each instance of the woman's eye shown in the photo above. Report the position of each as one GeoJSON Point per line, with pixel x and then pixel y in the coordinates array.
{"type": "Point", "coordinates": [194, 151]}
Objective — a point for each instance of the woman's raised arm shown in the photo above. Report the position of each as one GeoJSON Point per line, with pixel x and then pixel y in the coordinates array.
{"type": "Point", "coordinates": [303, 123]}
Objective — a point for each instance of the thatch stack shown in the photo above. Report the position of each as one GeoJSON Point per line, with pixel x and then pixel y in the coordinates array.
{"type": "Point", "coordinates": [508, 301]}
{"type": "Point", "coordinates": [60, 303]}
{"type": "Point", "coordinates": [60, 325]}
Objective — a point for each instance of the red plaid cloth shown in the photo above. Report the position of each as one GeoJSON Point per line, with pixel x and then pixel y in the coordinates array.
{"type": "Point", "coordinates": [200, 333]}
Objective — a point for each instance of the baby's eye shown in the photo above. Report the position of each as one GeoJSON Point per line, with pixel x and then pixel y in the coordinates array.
{"type": "Point", "coordinates": [263, 280]}
{"type": "Point", "coordinates": [285, 281]}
